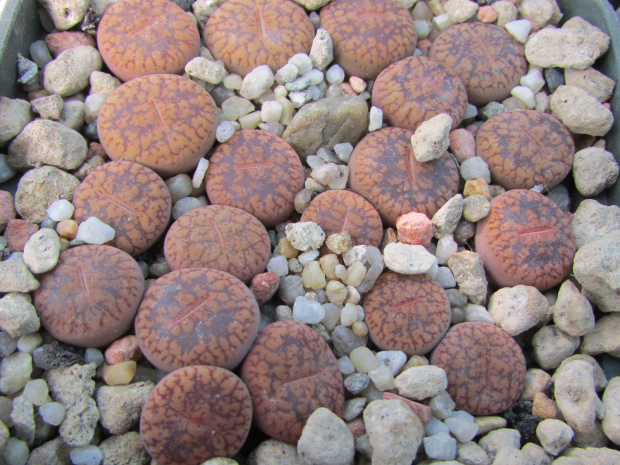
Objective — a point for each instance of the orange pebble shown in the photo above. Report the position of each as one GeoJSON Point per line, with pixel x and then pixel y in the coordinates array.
{"type": "Point", "coordinates": [357, 84]}
{"type": "Point", "coordinates": [67, 228]}
{"type": "Point", "coordinates": [487, 14]}
{"type": "Point", "coordinates": [123, 350]}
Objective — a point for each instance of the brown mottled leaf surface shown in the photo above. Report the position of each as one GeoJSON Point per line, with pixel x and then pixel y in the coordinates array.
{"type": "Point", "coordinates": [130, 198]}
{"type": "Point", "coordinates": [219, 237]}
{"type": "Point", "coordinates": [415, 89]}
{"type": "Point", "coordinates": [197, 316]}
{"type": "Point", "coordinates": [525, 239]}
{"type": "Point", "coordinates": [91, 297]}
{"type": "Point", "coordinates": [136, 38]}
{"type": "Point", "coordinates": [258, 172]}
{"type": "Point", "coordinates": [368, 35]}
{"type": "Point", "coordinates": [166, 122]}
{"type": "Point", "coordinates": [245, 34]}
{"type": "Point", "coordinates": [194, 414]}
{"type": "Point", "coordinates": [526, 148]}
{"type": "Point", "coordinates": [485, 367]}
{"type": "Point", "coordinates": [290, 372]}
{"type": "Point", "coordinates": [488, 60]}
{"type": "Point", "coordinates": [386, 173]}
{"type": "Point", "coordinates": [406, 312]}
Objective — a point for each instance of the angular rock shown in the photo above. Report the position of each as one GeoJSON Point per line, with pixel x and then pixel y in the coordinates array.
{"type": "Point", "coordinates": [592, 81]}
{"type": "Point", "coordinates": [39, 187]}
{"type": "Point", "coordinates": [572, 312]}
{"type": "Point", "coordinates": [73, 388]}
{"type": "Point", "coordinates": [70, 72]}
{"type": "Point", "coordinates": [322, 50]}
{"type": "Point", "coordinates": [596, 36]}
{"type": "Point", "coordinates": [562, 48]}
{"type": "Point", "coordinates": [551, 345]}
{"type": "Point", "coordinates": [67, 13]}
{"type": "Point", "coordinates": [45, 142]}
{"type": "Point", "coordinates": [120, 406]}
{"type": "Point", "coordinates": [325, 439]}
{"type": "Point", "coordinates": [54, 452]}
{"type": "Point", "coordinates": [576, 397]}
{"type": "Point", "coordinates": [597, 268]}
{"type": "Point", "coordinates": [432, 138]}
{"type": "Point", "coordinates": [408, 259]}
{"type": "Point", "coordinates": [7, 209]}
{"type": "Point", "coordinates": [580, 112]}
{"type": "Point", "coordinates": [17, 315]}
{"type": "Point", "coordinates": [592, 220]}
{"type": "Point", "coordinates": [595, 455]}
{"type": "Point", "coordinates": [604, 338]}
{"type": "Point", "coordinates": [517, 309]}
{"type": "Point", "coordinates": [594, 169]}
{"type": "Point", "coordinates": [394, 431]}
{"type": "Point", "coordinates": [325, 123]}
{"type": "Point", "coordinates": [447, 217]}
{"type": "Point", "coordinates": [272, 452]}
{"type": "Point", "coordinates": [125, 449]}
{"type": "Point", "coordinates": [421, 382]}
{"type": "Point", "coordinates": [611, 401]}
{"type": "Point", "coordinates": [469, 273]}
{"type": "Point", "coordinates": [16, 277]}
{"type": "Point", "coordinates": [14, 116]}
{"type": "Point", "coordinates": [554, 435]}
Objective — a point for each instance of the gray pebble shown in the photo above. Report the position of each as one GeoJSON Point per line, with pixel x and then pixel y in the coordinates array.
{"type": "Point", "coordinates": [42, 250]}
{"type": "Point", "coordinates": [17, 315]}
{"type": "Point", "coordinates": [16, 277]}
{"type": "Point", "coordinates": [356, 383]}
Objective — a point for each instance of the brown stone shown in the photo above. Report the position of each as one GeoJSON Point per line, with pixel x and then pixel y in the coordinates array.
{"type": "Point", "coordinates": [122, 350]}
{"type": "Point", "coordinates": [290, 372]}
{"type": "Point", "coordinates": [337, 211]}
{"type": "Point", "coordinates": [545, 408]}
{"type": "Point", "coordinates": [526, 148]}
{"type": "Point", "coordinates": [410, 313]}
{"type": "Point", "coordinates": [136, 38]}
{"type": "Point", "coordinates": [258, 172]}
{"type": "Point", "coordinates": [91, 297]}
{"type": "Point", "coordinates": [245, 34]}
{"type": "Point", "coordinates": [485, 56]}
{"type": "Point", "coordinates": [385, 172]}
{"type": "Point", "coordinates": [525, 239]}
{"type": "Point", "coordinates": [58, 42]}
{"type": "Point", "coordinates": [165, 122]}
{"type": "Point", "coordinates": [384, 32]}
{"type": "Point", "coordinates": [219, 237]}
{"type": "Point", "coordinates": [197, 316]}
{"type": "Point", "coordinates": [264, 286]}
{"type": "Point", "coordinates": [130, 198]}
{"type": "Point", "coordinates": [18, 232]}
{"type": "Point", "coordinates": [415, 89]}
{"type": "Point", "coordinates": [484, 365]}
{"type": "Point", "coordinates": [195, 414]}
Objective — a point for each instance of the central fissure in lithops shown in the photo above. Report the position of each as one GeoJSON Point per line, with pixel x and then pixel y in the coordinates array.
{"type": "Point", "coordinates": [344, 221]}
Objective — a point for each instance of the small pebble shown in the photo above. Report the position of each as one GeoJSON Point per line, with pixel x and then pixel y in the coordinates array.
{"type": "Point", "coordinates": [86, 455]}
{"type": "Point", "coordinates": [119, 374]}
{"type": "Point", "coordinates": [519, 29]}
{"type": "Point", "coordinates": [199, 173]}
{"type": "Point", "coordinates": [525, 95]}
{"type": "Point", "coordinates": [94, 231]}
{"type": "Point", "coordinates": [52, 413]}
{"type": "Point", "coordinates": [408, 259]}
{"type": "Point", "coordinates": [92, 355]}
{"type": "Point", "coordinates": [307, 311]}
{"type": "Point", "coordinates": [440, 446]}
{"type": "Point", "coordinates": [432, 138]}
{"type": "Point", "coordinates": [60, 210]}
{"type": "Point", "coordinates": [375, 119]}
{"type": "Point", "coordinates": [335, 75]}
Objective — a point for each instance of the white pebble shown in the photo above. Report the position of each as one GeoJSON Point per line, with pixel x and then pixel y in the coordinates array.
{"type": "Point", "coordinates": [335, 75]}
{"type": "Point", "coordinates": [187, 204]}
{"type": "Point", "coordinates": [306, 257]}
{"type": "Point", "coordinates": [315, 92]}
{"type": "Point", "coordinates": [28, 342]}
{"type": "Point", "coordinates": [15, 452]}
{"type": "Point", "coordinates": [375, 119]}
{"type": "Point", "coordinates": [343, 151]}
{"type": "Point", "coordinates": [422, 28]}
{"type": "Point", "coordinates": [86, 455]}
{"type": "Point", "coordinates": [519, 29]}
{"type": "Point", "coordinates": [233, 82]}
{"type": "Point", "coordinates": [298, 99]}
{"type": "Point", "coordinates": [445, 277]}
{"type": "Point", "coordinates": [95, 231]}
{"type": "Point", "coordinates": [36, 391]}
{"type": "Point", "coordinates": [224, 131]}
{"type": "Point", "coordinates": [257, 82]}
{"type": "Point", "coordinates": [475, 167]}
{"type": "Point", "coordinates": [471, 111]}
{"type": "Point", "coordinates": [40, 53]}
{"type": "Point", "coordinates": [179, 186]}
{"type": "Point", "coordinates": [92, 355]}
{"type": "Point", "coordinates": [348, 315]}
{"type": "Point", "coordinates": [524, 94]}
{"type": "Point", "coordinates": [52, 413]}
{"type": "Point", "coordinates": [199, 173]}
{"type": "Point", "coordinates": [278, 265]}
{"type": "Point", "coordinates": [394, 360]}
{"type": "Point", "coordinates": [302, 61]}
{"type": "Point", "coordinates": [463, 428]}
{"type": "Point", "coordinates": [60, 210]}
{"type": "Point", "coordinates": [440, 446]}
{"type": "Point", "coordinates": [271, 111]}
{"type": "Point", "coordinates": [314, 76]}
{"type": "Point", "coordinates": [345, 365]}
{"type": "Point", "coordinates": [435, 426]}
{"type": "Point", "coordinates": [287, 73]}
{"type": "Point", "coordinates": [443, 21]}
{"type": "Point", "coordinates": [383, 379]}
{"type": "Point", "coordinates": [534, 80]}
{"type": "Point", "coordinates": [446, 246]}
{"type": "Point", "coordinates": [307, 311]}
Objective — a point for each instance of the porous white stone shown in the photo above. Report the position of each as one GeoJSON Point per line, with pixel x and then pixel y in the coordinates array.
{"type": "Point", "coordinates": [15, 372]}
{"type": "Point", "coordinates": [257, 82]}
{"type": "Point", "coordinates": [551, 345]}
{"type": "Point", "coordinates": [206, 70]}
{"type": "Point", "coordinates": [580, 112]}
{"type": "Point", "coordinates": [460, 11]}
{"type": "Point", "coordinates": [447, 218]}
{"type": "Point", "coordinates": [322, 50]}
{"type": "Point", "coordinates": [305, 235]}
{"type": "Point", "coordinates": [554, 435]}
{"type": "Point", "coordinates": [594, 169]}
{"type": "Point", "coordinates": [408, 259]}
{"type": "Point", "coordinates": [517, 309]}
{"type": "Point", "coordinates": [561, 48]}
{"type": "Point", "coordinates": [572, 312]}
{"type": "Point", "coordinates": [421, 382]}
{"type": "Point", "coordinates": [17, 315]}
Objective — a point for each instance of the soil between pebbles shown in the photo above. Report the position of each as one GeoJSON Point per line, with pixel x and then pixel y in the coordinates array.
{"type": "Point", "coordinates": [322, 280]}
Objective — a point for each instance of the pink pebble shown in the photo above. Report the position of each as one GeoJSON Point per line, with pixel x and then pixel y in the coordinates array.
{"type": "Point", "coordinates": [462, 144]}
{"type": "Point", "coordinates": [357, 428]}
{"type": "Point", "coordinates": [357, 84]}
{"type": "Point", "coordinates": [422, 411]}
{"type": "Point", "coordinates": [18, 232]}
{"type": "Point", "coordinates": [487, 14]}
{"type": "Point", "coordinates": [415, 228]}
{"type": "Point", "coordinates": [346, 88]}
{"type": "Point", "coordinates": [264, 286]}
{"type": "Point", "coordinates": [123, 350]}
